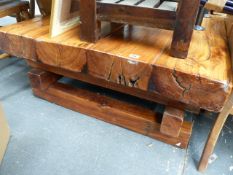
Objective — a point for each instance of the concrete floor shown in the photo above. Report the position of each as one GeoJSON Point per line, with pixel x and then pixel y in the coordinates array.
{"type": "Point", "coordinates": [49, 139]}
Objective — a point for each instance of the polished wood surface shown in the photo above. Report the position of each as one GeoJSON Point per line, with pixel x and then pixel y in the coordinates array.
{"type": "Point", "coordinates": [24, 47]}
{"type": "Point", "coordinates": [223, 115]}
{"type": "Point", "coordinates": [134, 117]}
{"type": "Point", "coordinates": [135, 57]}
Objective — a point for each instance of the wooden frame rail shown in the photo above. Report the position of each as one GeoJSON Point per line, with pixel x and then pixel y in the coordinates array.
{"type": "Point", "coordinates": [181, 19]}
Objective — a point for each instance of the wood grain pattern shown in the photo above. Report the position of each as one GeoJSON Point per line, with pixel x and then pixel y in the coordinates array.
{"type": "Point", "coordinates": [185, 21]}
{"type": "Point", "coordinates": [134, 117]}
{"type": "Point", "coordinates": [151, 96]}
{"type": "Point", "coordinates": [138, 57]}
{"type": "Point", "coordinates": [42, 79]}
{"type": "Point", "coordinates": [229, 25]}
{"type": "Point", "coordinates": [223, 115]}
{"type": "Point", "coordinates": [214, 134]}
{"type": "Point", "coordinates": [90, 27]}
{"type": "Point", "coordinates": [172, 122]}
{"type": "Point", "coordinates": [23, 46]}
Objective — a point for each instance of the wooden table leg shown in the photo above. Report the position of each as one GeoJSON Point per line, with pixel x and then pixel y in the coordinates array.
{"type": "Point", "coordinates": [90, 27]}
{"type": "Point", "coordinates": [42, 79]}
{"type": "Point", "coordinates": [172, 122]}
{"type": "Point", "coordinates": [214, 134]}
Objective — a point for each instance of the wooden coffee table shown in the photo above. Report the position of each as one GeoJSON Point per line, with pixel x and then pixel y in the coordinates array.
{"type": "Point", "coordinates": [133, 61]}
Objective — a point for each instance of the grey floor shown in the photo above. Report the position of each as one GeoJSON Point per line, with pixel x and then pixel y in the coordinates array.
{"type": "Point", "coordinates": [49, 139]}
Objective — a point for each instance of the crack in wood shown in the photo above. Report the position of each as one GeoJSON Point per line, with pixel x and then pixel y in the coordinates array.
{"type": "Point", "coordinates": [133, 82]}
{"type": "Point", "coordinates": [121, 77]}
{"type": "Point", "coordinates": [121, 80]}
{"type": "Point", "coordinates": [59, 55]}
{"type": "Point", "coordinates": [110, 71]}
{"type": "Point", "coordinates": [179, 83]}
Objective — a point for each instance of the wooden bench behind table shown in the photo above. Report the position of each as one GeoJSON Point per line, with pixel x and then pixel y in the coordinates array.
{"type": "Point", "coordinates": [223, 115]}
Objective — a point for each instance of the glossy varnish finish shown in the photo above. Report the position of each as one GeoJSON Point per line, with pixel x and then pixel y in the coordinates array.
{"type": "Point", "coordinates": [136, 58]}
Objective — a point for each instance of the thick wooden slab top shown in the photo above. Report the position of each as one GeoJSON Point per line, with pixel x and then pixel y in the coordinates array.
{"type": "Point", "coordinates": [134, 56]}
